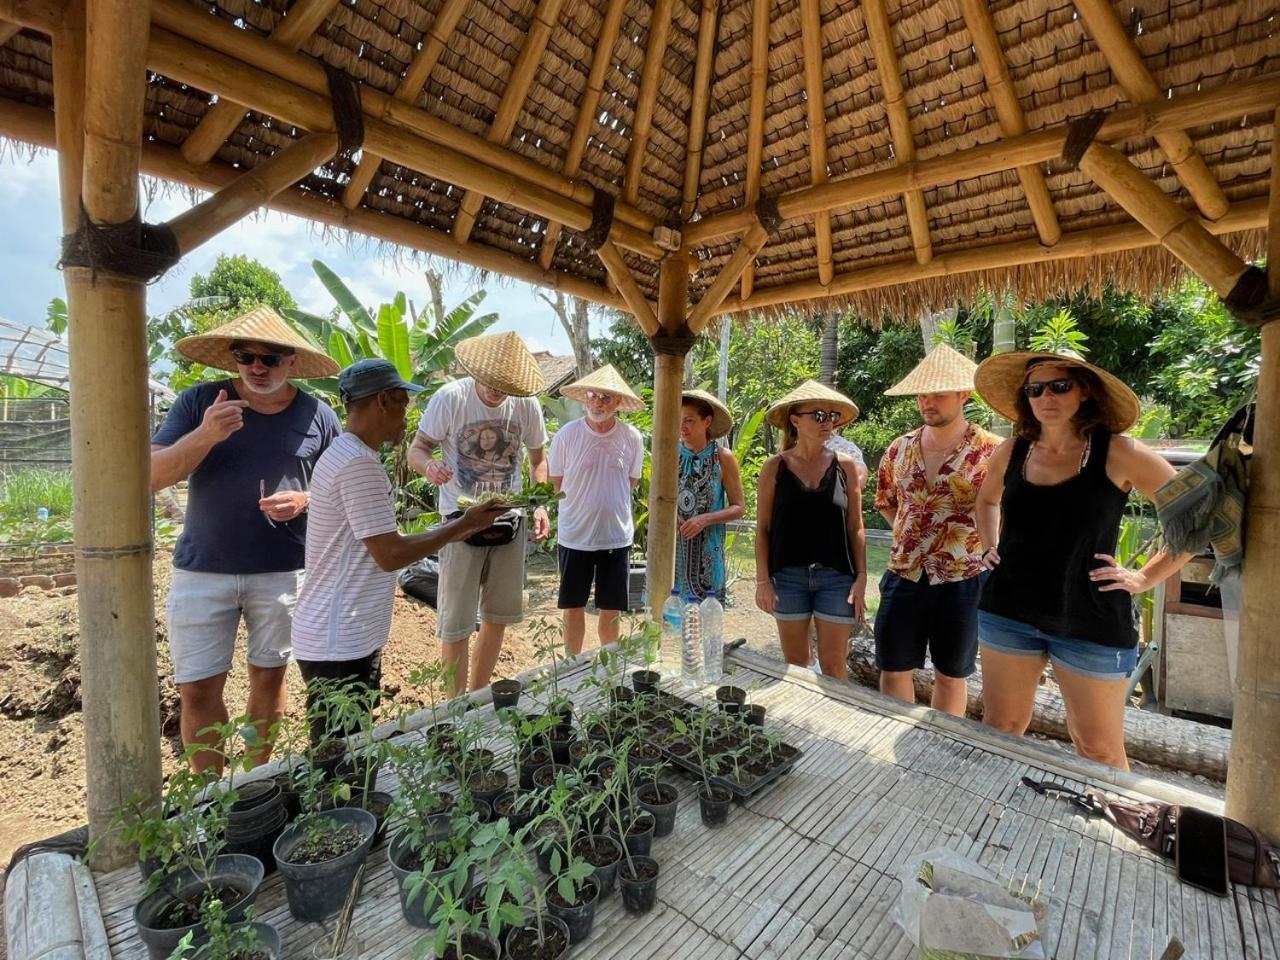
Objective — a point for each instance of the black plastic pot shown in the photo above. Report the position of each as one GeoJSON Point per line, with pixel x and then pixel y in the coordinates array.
{"type": "Point", "coordinates": [475, 903]}
{"type": "Point", "coordinates": [506, 693]}
{"type": "Point", "coordinates": [579, 918]}
{"type": "Point", "coordinates": [662, 808]}
{"type": "Point", "coordinates": [546, 774]}
{"type": "Point", "coordinates": [329, 765]}
{"type": "Point", "coordinates": [639, 893]}
{"type": "Point", "coordinates": [522, 942]}
{"type": "Point", "coordinates": [475, 943]}
{"type": "Point", "coordinates": [256, 838]}
{"type": "Point", "coordinates": [621, 695]}
{"type": "Point", "coordinates": [562, 738]}
{"type": "Point", "coordinates": [489, 793]}
{"type": "Point", "coordinates": [639, 839]}
{"type": "Point", "coordinates": [578, 751]}
{"type": "Point", "coordinates": [418, 907]}
{"type": "Point", "coordinates": [517, 818]}
{"type": "Point", "coordinates": [606, 873]}
{"type": "Point", "coordinates": [539, 757]}
{"type": "Point", "coordinates": [268, 940]}
{"type": "Point", "coordinates": [543, 845]}
{"type": "Point", "coordinates": [288, 795]}
{"type": "Point", "coordinates": [714, 806]}
{"type": "Point", "coordinates": [645, 681]}
{"type": "Point", "coordinates": [730, 698]}
{"type": "Point", "coordinates": [755, 714]}
{"type": "Point", "coordinates": [240, 872]}
{"type": "Point", "coordinates": [563, 710]}
{"type": "Point", "coordinates": [254, 801]}
{"type": "Point", "coordinates": [358, 771]}
{"type": "Point", "coordinates": [378, 803]}
{"type": "Point", "coordinates": [316, 891]}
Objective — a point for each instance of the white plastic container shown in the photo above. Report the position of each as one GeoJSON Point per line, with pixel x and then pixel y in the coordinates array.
{"type": "Point", "coordinates": [712, 616]}
{"type": "Point", "coordinates": [672, 616]}
{"type": "Point", "coordinates": [691, 645]}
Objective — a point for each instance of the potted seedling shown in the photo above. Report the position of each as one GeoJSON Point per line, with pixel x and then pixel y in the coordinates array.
{"type": "Point", "coordinates": [223, 939]}
{"type": "Point", "coordinates": [549, 644]}
{"type": "Point", "coordinates": [644, 639]}
{"type": "Point", "coordinates": [541, 935]}
{"type": "Point", "coordinates": [505, 693]}
{"type": "Point", "coordinates": [638, 873]}
{"type": "Point", "coordinates": [713, 799]}
{"type": "Point", "coordinates": [436, 680]}
{"type": "Point", "coordinates": [458, 930]}
{"type": "Point", "coordinates": [753, 712]}
{"type": "Point", "coordinates": [575, 889]}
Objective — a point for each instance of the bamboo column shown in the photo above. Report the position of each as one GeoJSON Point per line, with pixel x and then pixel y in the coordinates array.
{"type": "Point", "coordinates": [1255, 728]}
{"type": "Point", "coordinates": [110, 429]}
{"type": "Point", "coordinates": [668, 377]}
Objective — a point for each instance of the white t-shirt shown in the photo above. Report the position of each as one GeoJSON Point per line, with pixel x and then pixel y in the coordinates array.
{"type": "Point", "coordinates": [597, 470]}
{"type": "Point", "coordinates": [483, 445]}
{"type": "Point", "coordinates": [344, 606]}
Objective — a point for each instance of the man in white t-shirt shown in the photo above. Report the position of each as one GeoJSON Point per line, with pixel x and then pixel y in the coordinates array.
{"type": "Point", "coordinates": [342, 618]}
{"type": "Point", "coordinates": [482, 425]}
{"type": "Point", "coordinates": [596, 461]}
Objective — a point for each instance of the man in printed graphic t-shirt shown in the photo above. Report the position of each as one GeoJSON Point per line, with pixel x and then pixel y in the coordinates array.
{"type": "Point", "coordinates": [343, 615]}
{"type": "Point", "coordinates": [597, 461]}
{"type": "Point", "coordinates": [481, 425]}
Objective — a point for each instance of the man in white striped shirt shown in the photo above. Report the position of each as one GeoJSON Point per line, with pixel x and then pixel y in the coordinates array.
{"type": "Point", "coordinates": [343, 615]}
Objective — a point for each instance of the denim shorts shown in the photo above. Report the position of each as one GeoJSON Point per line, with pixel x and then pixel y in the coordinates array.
{"type": "Point", "coordinates": [1094, 660]}
{"type": "Point", "coordinates": [812, 591]}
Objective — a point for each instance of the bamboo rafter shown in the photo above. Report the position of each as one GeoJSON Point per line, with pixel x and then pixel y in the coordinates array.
{"type": "Point", "coordinates": [708, 24]}
{"type": "Point", "coordinates": [755, 116]}
{"type": "Point", "coordinates": [742, 258]}
{"type": "Point", "coordinates": [601, 60]}
{"type": "Point", "coordinates": [1176, 230]}
{"type": "Point", "coordinates": [625, 281]}
{"type": "Point", "coordinates": [1273, 211]}
{"type": "Point", "coordinates": [8, 30]}
{"type": "Point", "coordinates": [1131, 73]}
{"type": "Point", "coordinates": [815, 96]}
{"type": "Point", "coordinates": [995, 69]}
{"type": "Point", "coordinates": [880, 34]}
{"type": "Point", "coordinates": [650, 78]}
{"type": "Point", "coordinates": [513, 97]}
{"type": "Point", "coordinates": [302, 20]}
{"type": "Point", "coordinates": [407, 90]}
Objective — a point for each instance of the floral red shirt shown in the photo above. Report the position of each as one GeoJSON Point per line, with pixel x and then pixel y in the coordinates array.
{"type": "Point", "coordinates": [934, 530]}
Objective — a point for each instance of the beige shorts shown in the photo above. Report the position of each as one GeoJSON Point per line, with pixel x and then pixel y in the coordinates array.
{"type": "Point", "coordinates": [485, 579]}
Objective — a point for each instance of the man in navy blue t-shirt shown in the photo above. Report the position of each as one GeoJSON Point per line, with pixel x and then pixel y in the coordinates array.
{"type": "Point", "coordinates": [247, 446]}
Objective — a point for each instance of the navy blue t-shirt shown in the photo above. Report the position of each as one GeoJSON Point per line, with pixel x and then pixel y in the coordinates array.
{"type": "Point", "coordinates": [225, 531]}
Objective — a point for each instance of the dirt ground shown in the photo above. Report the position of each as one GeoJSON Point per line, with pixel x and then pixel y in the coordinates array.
{"type": "Point", "coordinates": [42, 730]}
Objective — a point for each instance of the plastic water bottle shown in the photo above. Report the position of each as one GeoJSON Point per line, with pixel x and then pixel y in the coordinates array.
{"type": "Point", "coordinates": [691, 645]}
{"type": "Point", "coordinates": [672, 614]}
{"type": "Point", "coordinates": [712, 639]}
{"type": "Point", "coordinates": [42, 514]}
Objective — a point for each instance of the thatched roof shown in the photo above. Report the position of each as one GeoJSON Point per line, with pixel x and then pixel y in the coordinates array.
{"type": "Point", "coordinates": [940, 98]}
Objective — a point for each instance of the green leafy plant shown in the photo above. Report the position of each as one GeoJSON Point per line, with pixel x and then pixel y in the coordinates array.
{"type": "Point", "coordinates": [1060, 334]}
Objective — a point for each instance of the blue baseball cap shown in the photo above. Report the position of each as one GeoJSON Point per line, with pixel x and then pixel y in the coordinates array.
{"type": "Point", "coordinates": [364, 378]}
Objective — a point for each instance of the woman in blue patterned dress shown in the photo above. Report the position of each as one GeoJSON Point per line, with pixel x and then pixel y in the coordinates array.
{"type": "Point", "coordinates": [710, 495]}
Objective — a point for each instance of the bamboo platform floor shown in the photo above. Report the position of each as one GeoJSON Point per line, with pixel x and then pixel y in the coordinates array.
{"type": "Point", "coordinates": [808, 868]}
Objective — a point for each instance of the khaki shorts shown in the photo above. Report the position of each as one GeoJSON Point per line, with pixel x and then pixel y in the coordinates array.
{"type": "Point", "coordinates": [487, 579]}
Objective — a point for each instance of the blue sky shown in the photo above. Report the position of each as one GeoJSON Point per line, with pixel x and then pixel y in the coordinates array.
{"type": "Point", "coordinates": [29, 277]}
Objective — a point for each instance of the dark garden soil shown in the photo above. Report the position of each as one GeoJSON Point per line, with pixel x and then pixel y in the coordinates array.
{"type": "Point", "coordinates": [330, 844]}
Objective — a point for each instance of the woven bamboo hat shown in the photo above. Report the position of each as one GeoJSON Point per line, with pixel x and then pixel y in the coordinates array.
{"type": "Point", "coordinates": [943, 370]}
{"type": "Point", "coordinates": [502, 362]}
{"type": "Point", "coordinates": [259, 325]}
{"type": "Point", "coordinates": [808, 392]}
{"type": "Point", "coordinates": [721, 419]}
{"type": "Point", "coordinates": [999, 378]}
{"type": "Point", "coordinates": [606, 380]}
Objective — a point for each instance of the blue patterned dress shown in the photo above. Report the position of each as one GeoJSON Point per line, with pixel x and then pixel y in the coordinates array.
{"type": "Point", "coordinates": [700, 562]}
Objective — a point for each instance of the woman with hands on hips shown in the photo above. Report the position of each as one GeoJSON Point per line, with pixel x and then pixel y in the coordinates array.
{"type": "Point", "coordinates": [1049, 515]}
{"type": "Point", "coordinates": [811, 551]}
{"type": "Point", "coordinates": [709, 496]}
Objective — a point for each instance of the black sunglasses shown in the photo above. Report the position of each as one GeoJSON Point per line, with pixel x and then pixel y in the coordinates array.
{"type": "Point", "coordinates": [246, 358]}
{"type": "Point", "coordinates": [1059, 387]}
{"type": "Point", "coordinates": [821, 416]}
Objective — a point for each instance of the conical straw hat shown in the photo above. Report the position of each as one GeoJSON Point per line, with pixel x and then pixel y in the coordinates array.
{"type": "Point", "coordinates": [606, 380]}
{"type": "Point", "coordinates": [259, 325]}
{"type": "Point", "coordinates": [502, 362]}
{"type": "Point", "coordinates": [721, 419]}
{"type": "Point", "coordinates": [812, 390]}
{"type": "Point", "coordinates": [999, 378]}
{"type": "Point", "coordinates": [943, 370]}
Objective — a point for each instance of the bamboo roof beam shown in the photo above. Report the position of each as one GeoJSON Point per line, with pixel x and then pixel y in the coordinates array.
{"type": "Point", "coordinates": [1135, 123]}
{"type": "Point", "coordinates": [514, 93]}
{"type": "Point", "coordinates": [1095, 242]}
{"type": "Point", "coordinates": [1178, 231]}
{"type": "Point", "coordinates": [601, 60]}
{"type": "Point", "coordinates": [995, 69]}
{"type": "Point", "coordinates": [1122, 55]}
{"type": "Point", "coordinates": [650, 77]}
{"type": "Point", "coordinates": [701, 95]}
{"type": "Point", "coordinates": [267, 93]}
{"type": "Point", "coordinates": [883, 47]}
{"type": "Point", "coordinates": [300, 22]}
{"type": "Point", "coordinates": [251, 190]}
{"type": "Point", "coordinates": [737, 264]}
{"type": "Point", "coordinates": [755, 117]}
{"type": "Point", "coordinates": [8, 30]}
{"type": "Point", "coordinates": [407, 91]}
{"type": "Point", "coordinates": [625, 281]}
{"type": "Point", "coordinates": [815, 96]}
{"type": "Point", "coordinates": [216, 34]}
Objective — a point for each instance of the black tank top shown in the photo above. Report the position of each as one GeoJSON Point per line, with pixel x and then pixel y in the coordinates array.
{"type": "Point", "coordinates": [808, 526]}
{"type": "Point", "coordinates": [1048, 538]}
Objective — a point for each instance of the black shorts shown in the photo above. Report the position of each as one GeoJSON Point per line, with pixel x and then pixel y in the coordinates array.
{"type": "Point", "coordinates": [941, 618]}
{"type": "Point", "coordinates": [610, 570]}
{"type": "Point", "coordinates": [365, 672]}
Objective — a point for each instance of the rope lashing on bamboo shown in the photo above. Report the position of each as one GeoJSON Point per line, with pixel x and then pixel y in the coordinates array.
{"type": "Point", "coordinates": [1248, 299]}
{"type": "Point", "coordinates": [1080, 134]}
{"type": "Point", "coordinates": [597, 231]}
{"type": "Point", "coordinates": [769, 215]}
{"type": "Point", "coordinates": [348, 114]}
{"type": "Point", "coordinates": [112, 553]}
{"type": "Point", "coordinates": [141, 251]}
{"type": "Point", "coordinates": [673, 344]}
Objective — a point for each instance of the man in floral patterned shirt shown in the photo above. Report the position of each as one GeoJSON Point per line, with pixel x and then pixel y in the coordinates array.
{"type": "Point", "coordinates": [926, 490]}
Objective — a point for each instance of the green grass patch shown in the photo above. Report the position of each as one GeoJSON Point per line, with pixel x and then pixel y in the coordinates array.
{"type": "Point", "coordinates": [25, 491]}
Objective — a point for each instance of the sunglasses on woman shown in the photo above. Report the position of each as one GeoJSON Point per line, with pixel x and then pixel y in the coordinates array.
{"type": "Point", "coordinates": [1036, 390]}
{"type": "Point", "coordinates": [821, 416]}
{"type": "Point", "coordinates": [246, 358]}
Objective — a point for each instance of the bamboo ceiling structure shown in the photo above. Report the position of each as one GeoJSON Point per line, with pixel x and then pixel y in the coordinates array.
{"type": "Point", "coordinates": [676, 160]}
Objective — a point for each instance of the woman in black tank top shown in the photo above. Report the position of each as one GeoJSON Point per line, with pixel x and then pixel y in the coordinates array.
{"type": "Point", "coordinates": [1049, 514]}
